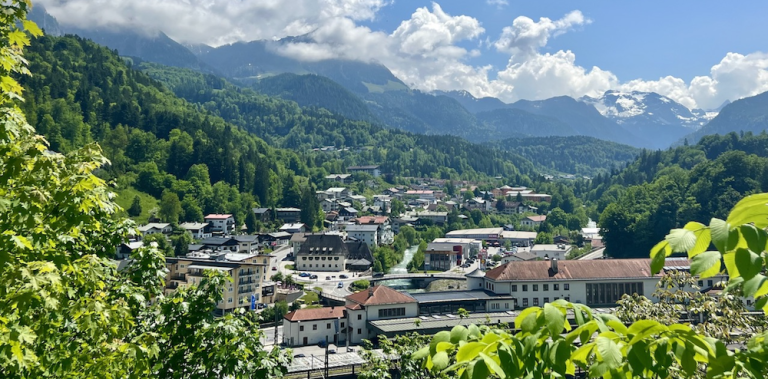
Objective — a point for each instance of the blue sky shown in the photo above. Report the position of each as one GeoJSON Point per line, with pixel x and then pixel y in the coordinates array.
{"type": "Point", "coordinates": [699, 54]}
{"type": "Point", "coordinates": [632, 39]}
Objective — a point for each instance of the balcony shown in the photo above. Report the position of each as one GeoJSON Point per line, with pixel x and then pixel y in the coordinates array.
{"type": "Point", "coordinates": [247, 272]}
{"type": "Point", "coordinates": [246, 281]}
{"type": "Point", "coordinates": [179, 277]}
{"type": "Point", "coordinates": [247, 289]}
{"type": "Point", "coordinates": [172, 286]}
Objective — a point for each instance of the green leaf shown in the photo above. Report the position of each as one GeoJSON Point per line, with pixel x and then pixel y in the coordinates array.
{"type": "Point", "coordinates": [748, 263]}
{"type": "Point", "coordinates": [751, 209]}
{"type": "Point", "coordinates": [643, 329]}
{"type": "Point", "coordinates": [752, 285]}
{"type": "Point", "coordinates": [681, 240]}
{"type": "Point", "coordinates": [443, 346]}
{"type": "Point", "coordinates": [443, 336]}
{"type": "Point", "coordinates": [762, 290]}
{"type": "Point", "coordinates": [474, 331]}
{"type": "Point", "coordinates": [459, 333]}
{"type": "Point", "coordinates": [440, 360]}
{"type": "Point", "coordinates": [582, 353]}
{"type": "Point", "coordinates": [478, 370]}
{"type": "Point", "coordinates": [706, 265]}
{"type": "Point", "coordinates": [703, 240]}
{"type": "Point", "coordinates": [469, 351]}
{"type": "Point", "coordinates": [493, 366]}
{"type": "Point", "coordinates": [719, 229]}
{"type": "Point", "coordinates": [755, 238]}
{"type": "Point", "coordinates": [554, 319]}
{"type": "Point", "coordinates": [526, 320]}
{"type": "Point", "coordinates": [730, 265]}
{"type": "Point", "coordinates": [508, 361]}
{"type": "Point", "coordinates": [420, 354]}
{"type": "Point", "coordinates": [609, 352]}
{"type": "Point", "coordinates": [659, 253]}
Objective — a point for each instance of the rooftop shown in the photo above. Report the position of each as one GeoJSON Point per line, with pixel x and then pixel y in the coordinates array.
{"type": "Point", "coordinates": [152, 225]}
{"type": "Point", "coordinates": [193, 225]}
{"type": "Point", "coordinates": [518, 235]}
{"type": "Point", "coordinates": [537, 218]}
{"type": "Point", "coordinates": [550, 247]}
{"type": "Point", "coordinates": [362, 228]}
{"type": "Point", "coordinates": [288, 209]}
{"type": "Point", "coordinates": [216, 216]}
{"type": "Point", "coordinates": [297, 225]}
{"type": "Point", "coordinates": [567, 269]}
{"type": "Point", "coordinates": [454, 240]}
{"type": "Point", "coordinates": [371, 220]}
{"type": "Point", "coordinates": [436, 297]}
{"type": "Point", "coordinates": [368, 167]}
{"type": "Point", "coordinates": [480, 231]}
{"type": "Point", "coordinates": [380, 295]}
{"type": "Point", "coordinates": [326, 313]}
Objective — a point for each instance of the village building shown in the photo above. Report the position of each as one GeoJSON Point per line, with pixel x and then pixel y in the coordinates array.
{"type": "Point", "coordinates": [221, 223]}
{"type": "Point", "coordinates": [328, 252]}
{"type": "Point", "coordinates": [533, 221]}
{"type": "Point", "coordinates": [198, 230]}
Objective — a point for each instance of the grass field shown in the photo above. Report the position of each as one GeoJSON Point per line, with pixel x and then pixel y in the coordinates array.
{"type": "Point", "coordinates": [125, 198]}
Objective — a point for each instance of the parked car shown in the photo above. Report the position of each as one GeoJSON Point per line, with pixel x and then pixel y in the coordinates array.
{"type": "Point", "coordinates": [313, 276]}
{"type": "Point", "coordinates": [321, 344]}
{"type": "Point", "coordinates": [274, 268]}
{"type": "Point", "coordinates": [331, 351]}
{"type": "Point", "coordinates": [304, 274]}
{"type": "Point", "coordinates": [327, 278]}
{"type": "Point", "coordinates": [378, 274]}
{"type": "Point", "coordinates": [342, 276]}
{"type": "Point", "coordinates": [340, 285]}
{"type": "Point", "coordinates": [299, 356]}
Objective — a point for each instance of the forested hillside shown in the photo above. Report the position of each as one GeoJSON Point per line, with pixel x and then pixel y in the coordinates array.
{"type": "Point", "coordinates": [665, 189]}
{"type": "Point", "coordinates": [161, 145]}
{"type": "Point", "coordinates": [578, 155]}
{"type": "Point", "coordinates": [749, 114]}
{"type": "Point", "coordinates": [285, 124]}
{"type": "Point", "coordinates": [517, 123]}
{"type": "Point", "coordinates": [315, 91]}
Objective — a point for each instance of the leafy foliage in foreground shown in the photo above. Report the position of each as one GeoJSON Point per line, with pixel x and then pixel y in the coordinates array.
{"type": "Point", "coordinates": [65, 309]}
{"type": "Point", "coordinates": [544, 345]}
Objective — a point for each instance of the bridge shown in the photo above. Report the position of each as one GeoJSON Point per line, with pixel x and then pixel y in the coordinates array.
{"type": "Point", "coordinates": [419, 279]}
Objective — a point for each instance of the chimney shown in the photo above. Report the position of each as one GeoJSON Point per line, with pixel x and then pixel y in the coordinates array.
{"type": "Point", "coordinates": [370, 292]}
{"type": "Point", "coordinates": [553, 264]}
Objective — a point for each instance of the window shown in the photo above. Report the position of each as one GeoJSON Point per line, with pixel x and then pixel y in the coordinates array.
{"type": "Point", "coordinates": [525, 302]}
{"type": "Point", "coordinates": [567, 287]}
{"type": "Point", "coordinates": [301, 328]}
{"type": "Point", "coordinates": [567, 298]}
{"type": "Point", "coordinates": [514, 288]}
{"type": "Point", "coordinates": [342, 325]}
{"type": "Point", "coordinates": [546, 300]}
{"type": "Point", "coordinates": [749, 302]}
{"type": "Point", "coordinates": [229, 300]}
{"type": "Point", "coordinates": [314, 327]}
{"type": "Point", "coordinates": [701, 283]}
{"type": "Point", "coordinates": [709, 283]}
{"type": "Point", "coordinates": [546, 287]}
{"type": "Point", "coordinates": [391, 312]}
{"type": "Point", "coordinates": [535, 287]}
{"type": "Point", "coordinates": [328, 325]}
{"type": "Point", "coordinates": [556, 287]}
{"type": "Point", "coordinates": [535, 301]}
{"type": "Point", "coordinates": [359, 317]}
{"type": "Point", "coordinates": [525, 287]}
{"type": "Point", "coordinates": [359, 331]}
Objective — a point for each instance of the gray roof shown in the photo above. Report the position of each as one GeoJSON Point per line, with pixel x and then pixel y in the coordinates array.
{"type": "Point", "coordinates": [194, 247]}
{"type": "Point", "coordinates": [288, 210]}
{"type": "Point", "coordinates": [443, 322]}
{"type": "Point", "coordinates": [193, 225]}
{"type": "Point", "coordinates": [260, 210]}
{"type": "Point", "coordinates": [247, 238]}
{"type": "Point", "coordinates": [359, 262]}
{"type": "Point", "coordinates": [432, 297]}
{"type": "Point", "coordinates": [217, 241]}
{"type": "Point", "coordinates": [362, 228]}
{"type": "Point", "coordinates": [478, 273]}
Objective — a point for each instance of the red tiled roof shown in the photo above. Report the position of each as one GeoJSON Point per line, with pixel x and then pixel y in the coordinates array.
{"type": "Point", "coordinates": [381, 295]}
{"type": "Point", "coordinates": [326, 313]}
{"type": "Point", "coordinates": [371, 220]}
{"type": "Point", "coordinates": [539, 218]}
{"type": "Point", "coordinates": [589, 269]}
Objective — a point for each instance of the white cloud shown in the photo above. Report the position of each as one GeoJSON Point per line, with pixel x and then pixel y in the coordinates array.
{"type": "Point", "coordinates": [497, 3]}
{"type": "Point", "coordinates": [214, 22]}
{"type": "Point", "coordinates": [424, 51]}
{"type": "Point", "coordinates": [525, 36]}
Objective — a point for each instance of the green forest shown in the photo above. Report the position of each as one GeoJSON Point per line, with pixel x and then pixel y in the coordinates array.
{"type": "Point", "coordinates": [661, 190]}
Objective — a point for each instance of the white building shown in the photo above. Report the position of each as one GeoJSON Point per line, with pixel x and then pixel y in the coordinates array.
{"type": "Point", "coordinates": [372, 170]}
{"type": "Point", "coordinates": [293, 228]}
{"type": "Point", "coordinates": [222, 223]}
{"type": "Point", "coordinates": [366, 233]}
{"type": "Point", "coordinates": [546, 251]}
{"type": "Point", "coordinates": [484, 234]}
{"type": "Point", "coordinates": [155, 228]}
{"type": "Point", "coordinates": [596, 283]}
{"type": "Point", "coordinates": [533, 221]}
{"type": "Point", "coordinates": [519, 238]}
{"type": "Point", "coordinates": [376, 303]}
{"type": "Point", "coordinates": [445, 256]}
{"type": "Point", "coordinates": [198, 230]}
{"type": "Point", "coordinates": [305, 327]}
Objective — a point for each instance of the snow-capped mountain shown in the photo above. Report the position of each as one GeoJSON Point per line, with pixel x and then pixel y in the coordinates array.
{"type": "Point", "coordinates": [650, 114]}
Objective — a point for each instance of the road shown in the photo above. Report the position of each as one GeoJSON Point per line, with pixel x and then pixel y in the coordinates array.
{"type": "Point", "coordinates": [597, 254]}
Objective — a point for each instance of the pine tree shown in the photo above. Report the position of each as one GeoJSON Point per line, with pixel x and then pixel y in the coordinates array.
{"type": "Point", "coordinates": [135, 209]}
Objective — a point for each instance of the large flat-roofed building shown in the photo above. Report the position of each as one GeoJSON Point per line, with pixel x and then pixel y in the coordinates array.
{"type": "Point", "coordinates": [372, 170]}
{"type": "Point", "coordinates": [595, 283]}
{"type": "Point", "coordinates": [484, 234]}
{"type": "Point", "coordinates": [288, 215]}
{"type": "Point", "coordinates": [519, 238]}
{"type": "Point", "coordinates": [547, 251]}
{"type": "Point", "coordinates": [449, 302]}
{"type": "Point", "coordinates": [246, 270]}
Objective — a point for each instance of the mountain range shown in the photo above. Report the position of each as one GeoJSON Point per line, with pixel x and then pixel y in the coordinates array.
{"type": "Point", "coordinates": [369, 91]}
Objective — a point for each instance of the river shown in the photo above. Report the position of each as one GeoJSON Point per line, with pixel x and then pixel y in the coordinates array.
{"type": "Point", "coordinates": [402, 268]}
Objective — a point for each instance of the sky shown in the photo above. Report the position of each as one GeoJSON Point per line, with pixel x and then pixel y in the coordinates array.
{"type": "Point", "coordinates": [697, 53]}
